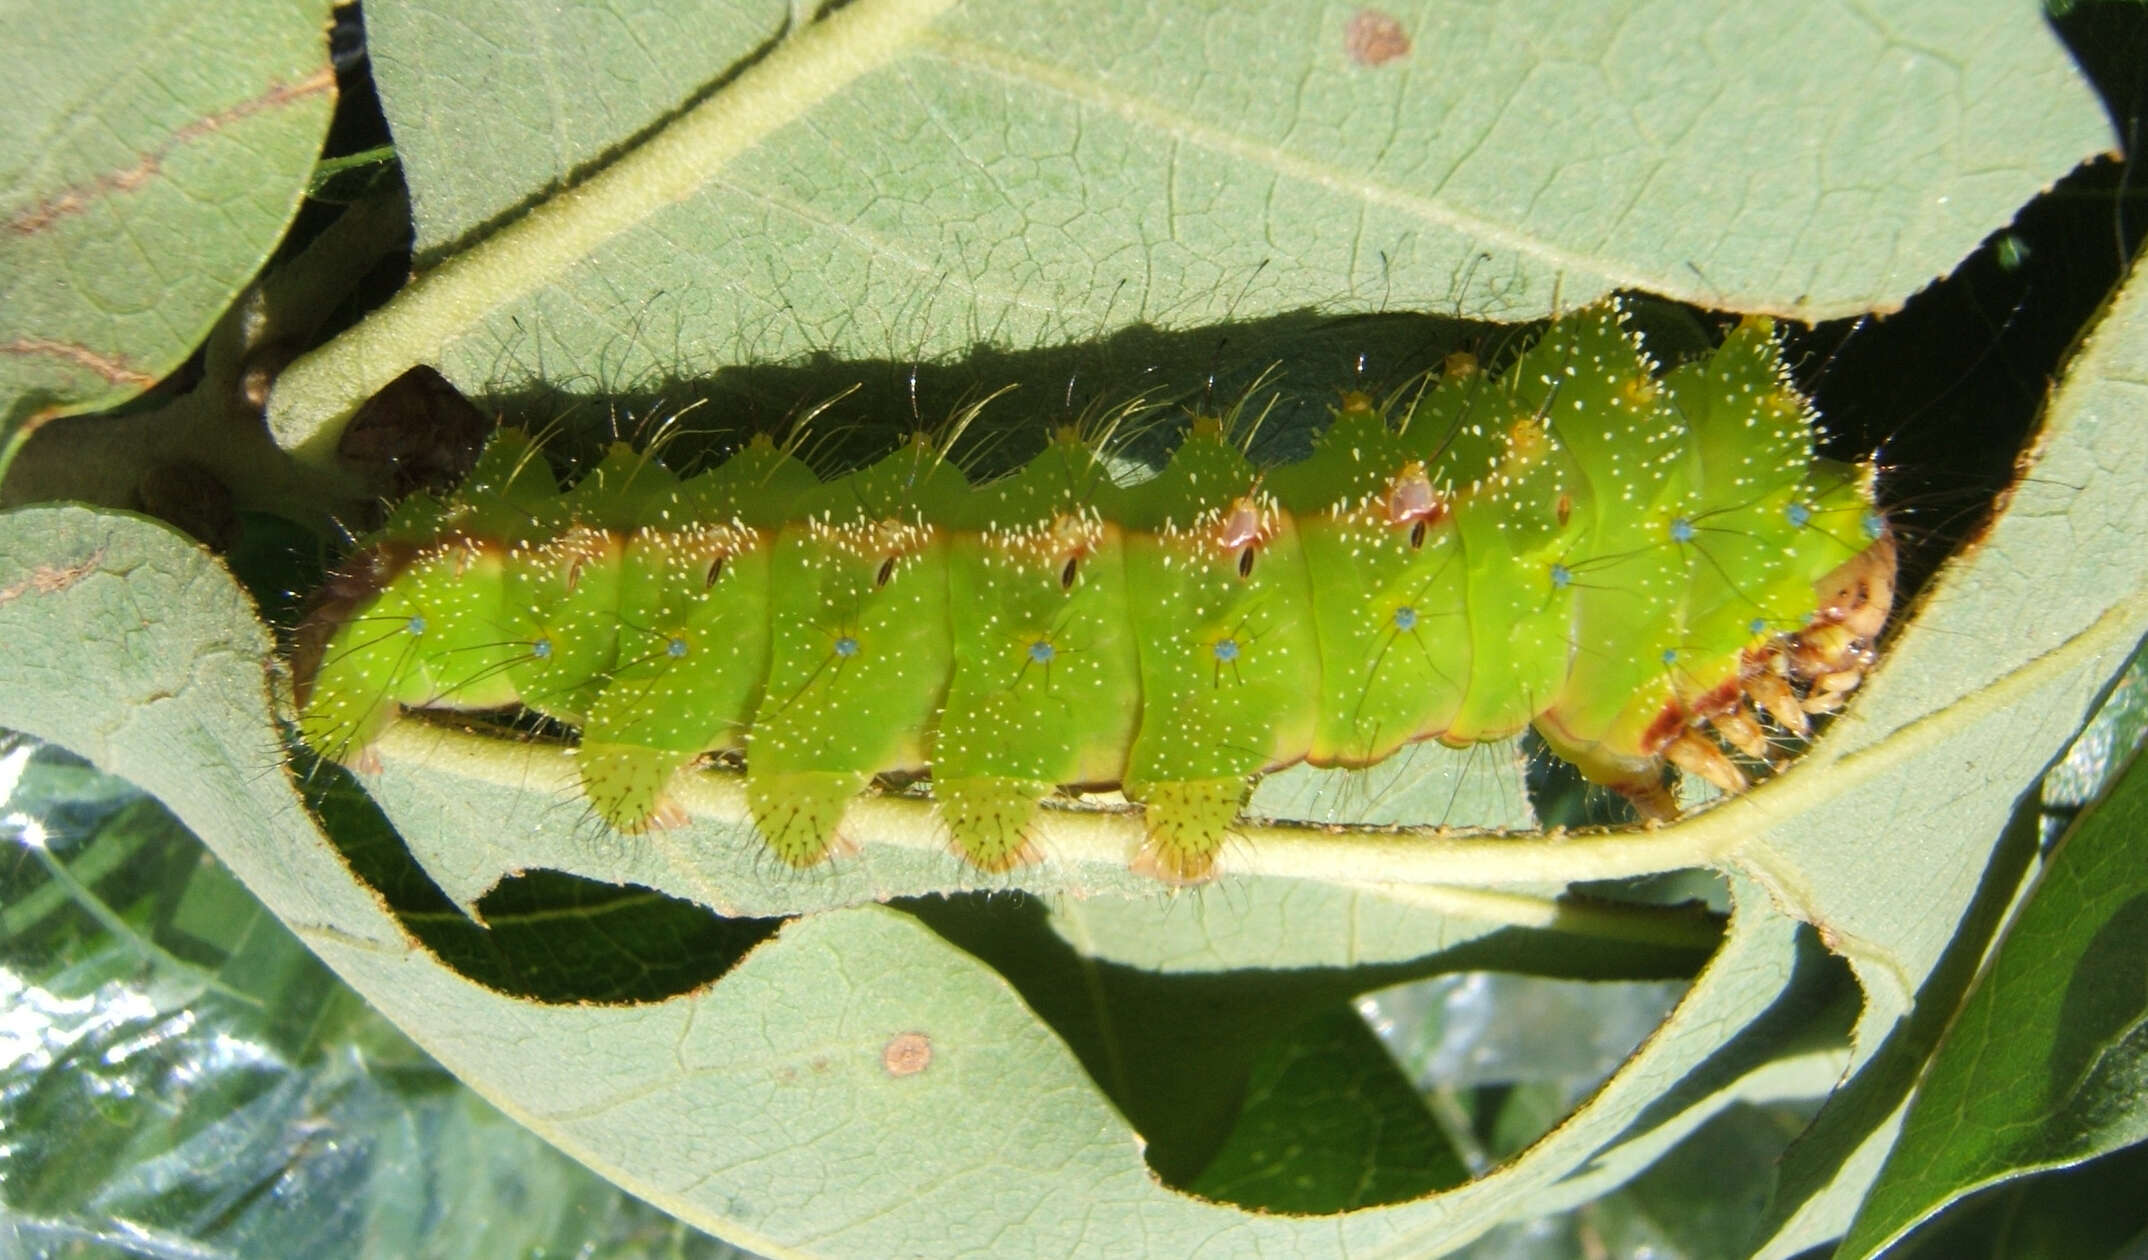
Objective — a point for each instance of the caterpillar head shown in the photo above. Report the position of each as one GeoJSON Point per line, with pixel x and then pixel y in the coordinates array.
{"type": "Point", "coordinates": [350, 587]}
{"type": "Point", "coordinates": [1832, 653]}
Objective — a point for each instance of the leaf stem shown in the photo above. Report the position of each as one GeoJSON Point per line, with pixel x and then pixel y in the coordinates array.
{"type": "Point", "coordinates": [319, 391]}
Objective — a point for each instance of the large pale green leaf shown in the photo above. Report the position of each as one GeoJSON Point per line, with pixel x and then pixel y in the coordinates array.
{"type": "Point", "coordinates": [154, 153]}
{"type": "Point", "coordinates": [494, 104]}
{"type": "Point", "coordinates": [908, 178]}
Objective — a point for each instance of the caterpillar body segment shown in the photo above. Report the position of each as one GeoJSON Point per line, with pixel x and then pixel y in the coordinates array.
{"type": "Point", "coordinates": [1634, 562]}
{"type": "Point", "coordinates": [1393, 617]}
{"type": "Point", "coordinates": [1046, 688]}
{"type": "Point", "coordinates": [1226, 648]}
{"type": "Point", "coordinates": [861, 648]}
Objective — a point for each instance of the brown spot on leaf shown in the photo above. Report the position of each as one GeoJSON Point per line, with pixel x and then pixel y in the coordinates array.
{"type": "Point", "coordinates": [1374, 38]}
{"type": "Point", "coordinates": [110, 367]}
{"type": "Point", "coordinates": [907, 1054]}
{"type": "Point", "coordinates": [51, 579]}
{"type": "Point", "coordinates": [145, 168]}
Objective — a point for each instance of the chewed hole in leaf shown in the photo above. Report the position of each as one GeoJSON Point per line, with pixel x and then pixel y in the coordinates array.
{"type": "Point", "coordinates": [1251, 1085]}
{"type": "Point", "coordinates": [543, 935]}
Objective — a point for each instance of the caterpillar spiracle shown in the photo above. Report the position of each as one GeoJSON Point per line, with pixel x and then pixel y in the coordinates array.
{"type": "Point", "coordinates": [1644, 565]}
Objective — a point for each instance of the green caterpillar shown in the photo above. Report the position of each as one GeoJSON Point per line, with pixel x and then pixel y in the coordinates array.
{"type": "Point", "coordinates": [1615, 556]}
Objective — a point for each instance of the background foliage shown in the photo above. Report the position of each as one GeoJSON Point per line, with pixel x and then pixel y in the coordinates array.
{"type": "Point", "coordinates": [620, 209]}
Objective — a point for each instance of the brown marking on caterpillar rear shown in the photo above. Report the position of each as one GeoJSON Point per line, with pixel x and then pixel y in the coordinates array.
{"type": "Point", "coordinates": [1693, 754]}
{"type": "Point", "coordinates": [1723, 699]}
{"type": "Point", "coordinates": [1829, 656]}
{"type": "Point", "coordinates": [1665, 727]}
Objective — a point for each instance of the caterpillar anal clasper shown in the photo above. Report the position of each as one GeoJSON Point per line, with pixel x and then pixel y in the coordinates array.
{"type": "Point", "coordinates": [1646, 567]}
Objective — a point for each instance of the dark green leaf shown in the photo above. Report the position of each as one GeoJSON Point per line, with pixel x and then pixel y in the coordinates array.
{"type": "Point", "coordinates": [2047, 1063]}
{"type": "Point", "coordinates": [1329, 1125]}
